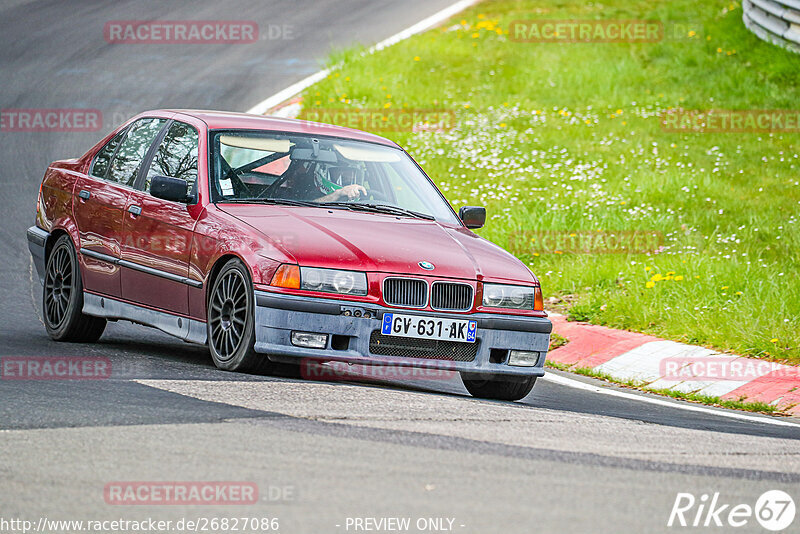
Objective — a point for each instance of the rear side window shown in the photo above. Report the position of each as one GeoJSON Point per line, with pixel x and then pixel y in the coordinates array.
{"type": "Point", "coordinates": [125, 165]}
{"type": "Point", "coordinates": [176, 156]}
{"type": "Point", "coordinates": [103, 158]}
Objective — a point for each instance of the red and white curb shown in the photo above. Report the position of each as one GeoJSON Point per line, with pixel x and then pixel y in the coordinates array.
{"type": "Point", "coordinates": [656, 364]}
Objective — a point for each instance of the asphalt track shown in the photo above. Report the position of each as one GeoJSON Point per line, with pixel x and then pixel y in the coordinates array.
{"type": "Point", "coordinates": [562, 460]}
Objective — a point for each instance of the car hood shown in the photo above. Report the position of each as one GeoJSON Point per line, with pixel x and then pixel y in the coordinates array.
{"type": "Point", "coordinates": [346, 239]}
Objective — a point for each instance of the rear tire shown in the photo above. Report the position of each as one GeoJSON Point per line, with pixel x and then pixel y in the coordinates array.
{"type": "Point", "coordinates": [62, 298]}
{"type": "Point", "coordinates": [231, 321]}
{"type": "Point", "coordinates": [507, 389]}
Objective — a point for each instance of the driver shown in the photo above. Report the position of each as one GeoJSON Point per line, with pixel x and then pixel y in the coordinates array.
{"type": "Point", "coordinates": [335, 188]}
{"type": "Point", "coordinates": [303, 183]}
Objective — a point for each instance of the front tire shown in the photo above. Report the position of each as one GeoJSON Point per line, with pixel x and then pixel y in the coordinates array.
{"type": "Point", "coordinates": [507, 389]}
{"type": "Point", "coordinates": [62, 298]}
{"type": "Point", "coordinates": [231, 321]}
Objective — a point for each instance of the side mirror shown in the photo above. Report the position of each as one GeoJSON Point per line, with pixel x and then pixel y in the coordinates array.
{"type": "Point", "coordinates": [472, 216]}
{"type": "Point", "coordinates": [168, 188]}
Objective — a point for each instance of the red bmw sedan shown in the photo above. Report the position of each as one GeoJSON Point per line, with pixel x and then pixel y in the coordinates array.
{"type": "Point", "coordinates": [273, 240]}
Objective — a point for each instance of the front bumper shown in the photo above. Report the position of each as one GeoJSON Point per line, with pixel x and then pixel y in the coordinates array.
{"type": "Point", "coordinates": [277, 315]}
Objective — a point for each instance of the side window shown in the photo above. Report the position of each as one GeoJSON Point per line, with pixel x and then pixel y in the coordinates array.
{"type": "Point", "coordinates": [176, 157]}
{"type": "Point", "coordinates": [131, 152]}
{"type": "Point", "coordinates": [103, 158]}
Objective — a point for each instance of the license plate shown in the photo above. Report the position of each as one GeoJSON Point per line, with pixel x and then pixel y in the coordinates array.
{"type": "Point", "coordinates": [462, 330]}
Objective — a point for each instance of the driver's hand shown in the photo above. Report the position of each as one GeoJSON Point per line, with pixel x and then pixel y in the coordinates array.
{"type": "Point", "coordinates": [350, 192]}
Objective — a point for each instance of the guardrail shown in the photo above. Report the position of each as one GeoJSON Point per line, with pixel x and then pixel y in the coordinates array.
{"type": "Point", "coordinates": [775, 21]}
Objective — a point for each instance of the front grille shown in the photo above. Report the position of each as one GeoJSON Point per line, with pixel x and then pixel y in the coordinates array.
{"type": "Point", "coordinates": [429, 349]}
{"type": "Point", "coordinates": [451, 296]}
{"type": "Point", "coordinates": [408, 292]}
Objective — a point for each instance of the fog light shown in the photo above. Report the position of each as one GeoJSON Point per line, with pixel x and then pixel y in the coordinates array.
{"type": "Point", "coordinates": [309, 340]}
{"type": "Point", "coordinates": [523, 358]}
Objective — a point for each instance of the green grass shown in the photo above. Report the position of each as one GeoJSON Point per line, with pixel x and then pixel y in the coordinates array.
{"type": "Point", "coordinates": [740, 404]}
{"type": "Point", "coordinates": [556, 341]}
{"type": "Point", "coordinates": [567, 138]}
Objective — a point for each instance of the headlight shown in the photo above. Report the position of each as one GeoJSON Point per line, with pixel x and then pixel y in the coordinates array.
{"type": "Point", "coordinates": [515, 297]}
{"type": "Point", "coordinates": [333, 281]}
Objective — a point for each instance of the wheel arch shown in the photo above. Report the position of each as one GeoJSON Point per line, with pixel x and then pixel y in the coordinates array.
{"type": "Point", "coordinates": [51, 241]}
{"type": "Point", "coordinates": [219, 263]}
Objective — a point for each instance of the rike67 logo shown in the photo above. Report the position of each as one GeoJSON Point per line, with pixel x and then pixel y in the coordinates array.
{"type": "Point", "coordinates": [774, 510]}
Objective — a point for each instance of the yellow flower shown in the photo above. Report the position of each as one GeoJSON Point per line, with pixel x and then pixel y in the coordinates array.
{"type": "Point", "coordinates": [657, 277]}
{"type": "Point", "coordinates": [697, 276]}
{"type": "Point", "coordinates": [648, 268]}
{"type": "Point", "coordinates": [650, 284]}
{"type": "Point", "coordinates": [466, 106]}
{"type": "Point", "coordinates": [505, 104]}
{"type": "Point", "coordinates": [387, 105]}
{"type": "Point", "coordinates": [670, 272]}
{"type": "Point", "coordinates": [587, 121]}
{"type": "Point", "coordinates": [739, 293]}
{"type": "Point", "coordinates": [692, 33]}
{"type": "Point", "coordinates": [416, 58]}
{"type": "Point", "coordinates": [725, 287]}
{"type": "Point", "coordinates": [719, 50]}
{"type": "Point", "coordinates": [481, 16]}
{"type": "Point", "coordinates": [619, 112]}
{"type": "Point", "coordinates": [502, 125]}
{"type": "Point", "coordinates": [622, 203]}
{"type": "Point", "coordinates": [535, 253]}
{"type": "Point", "coordinates": [773, 340]}
{"type": "Point", "coordinates": [347, 79]}
{"type": "Point", "coordinates": [678, 278]}
{"type": "Point", "coordinates": [476, 35]}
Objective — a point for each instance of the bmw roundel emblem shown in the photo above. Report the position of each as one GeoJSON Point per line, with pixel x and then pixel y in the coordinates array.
{"type": "Point", "coordinates": [428, 266]}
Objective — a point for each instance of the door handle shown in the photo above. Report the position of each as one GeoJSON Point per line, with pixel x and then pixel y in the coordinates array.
{"type": "Point", "coordinates": [135, 210]}
{"type": "Point", "coordinates": [84, 194]}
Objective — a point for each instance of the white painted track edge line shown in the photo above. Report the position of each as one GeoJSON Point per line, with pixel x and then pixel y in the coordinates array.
{"type": "Point", "coordinates": [287, 93]}
{"type": "Point", "coordinates": [687, 406]}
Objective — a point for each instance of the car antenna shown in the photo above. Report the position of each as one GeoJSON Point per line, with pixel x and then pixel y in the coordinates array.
{"type": "Point", "coordinates": [315, 147]}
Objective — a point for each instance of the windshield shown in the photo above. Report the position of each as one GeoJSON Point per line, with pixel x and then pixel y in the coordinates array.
{"type": "Point", "coordinates": [318, 171]}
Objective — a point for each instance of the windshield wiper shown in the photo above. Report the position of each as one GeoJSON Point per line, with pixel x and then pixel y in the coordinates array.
{"type": "Point", "coordinates": [279, 201]}
{"type": "Point", "coordinates": [381, 208]}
